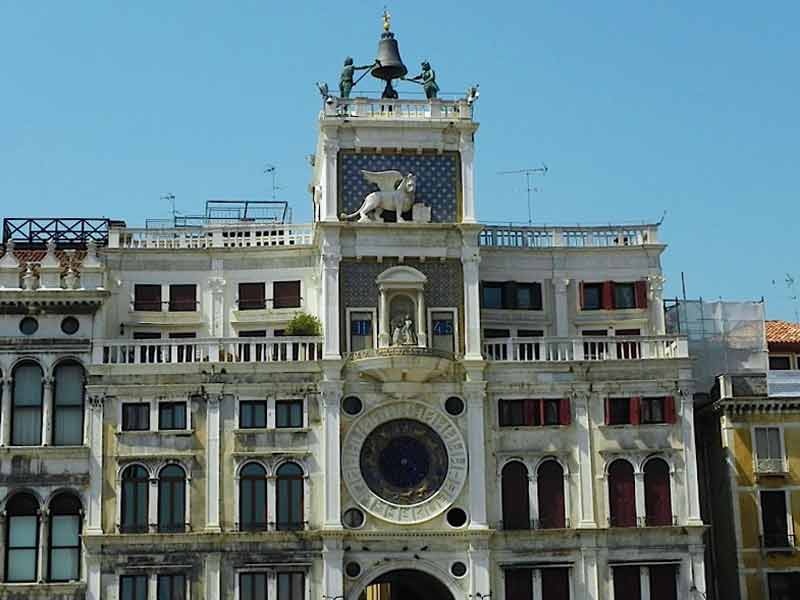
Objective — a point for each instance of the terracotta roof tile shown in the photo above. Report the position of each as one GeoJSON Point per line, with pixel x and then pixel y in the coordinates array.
{"type": "Point", "coordinates": [36, 256]}
{"type": "Point", "coordinates": [783, 332]}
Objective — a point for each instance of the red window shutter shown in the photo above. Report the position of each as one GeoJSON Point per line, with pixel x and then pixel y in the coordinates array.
{"type": "Point", "coordinates": [580, 293]}
{"type": "Point", "coordinates": [608, 295]}
{"type": "Point", "coordinates": [657, 498]}
{"type": "Point", "coordinates": [635, 405]}
{"type": "Point", "coordinates": [564, 414]}
{"type": "Point", "coordinates": [641, 294]}
{"type": "Point", "coordinates": [608, 411]}
{"type": "Point", "coordinates": [516, 503]}
{"type": "Point", "coordinates": [669, 409]}
{"type": "Point", "coordinates": [530, 412]}
{"type": "Point", "coordinates": [556, 583]}
{"type": "Point", "coordinates": [551, 495]}
{"type": "Point", "coordinates": [541, 412]}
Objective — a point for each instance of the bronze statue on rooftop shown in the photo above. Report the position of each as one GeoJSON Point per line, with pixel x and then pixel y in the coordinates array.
{"type": "Point", "coordinates": [346, 82]}
{"type": "Point", "coordinates": [427, 79]}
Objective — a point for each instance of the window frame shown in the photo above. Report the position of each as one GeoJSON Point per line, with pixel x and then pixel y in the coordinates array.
{"type": "Point", "coordinates": [279, 300]}
{"type": "Point", "coordinates": [754, 441]}
{"type": "Point", "coordinates": [180, 486]}
{"type": "Point", "coordinates": [123, 423]}
{"type": "Point", "coordinates": [148, 304]}
{"type": "Point", "coordinates": [454, 314]}
{"type": "Point", "coordinates": [791, 364]}
{"type": "Point", "coordinates": [172, 406]}
{"type": "Point", "coordinates": [648, 401]}
{"type": "Point", "coordinates": [251, 303]}
{"type": "Point", "coordinates": [178, 304]}
{"type": "Point", "coordinates": [15, 408]}
{"type": "Point", "coordinates": [291, 573]}
{"type": "Point", "coordinates": [290, 525]}
{"type": "Point", "coordinates": [76, 548]}
{"type": "Point", "coordinates": [136, 527]}
{"type": "Point", "coordinates": [291, 402]}
{"type": "Point", "coordinates": [136, 578]}
{"type": "Point", "coordinates": [493, 285]}
{"type": "Point", "coordinates": [563, 408]}
{"type": "Point", "coordinates": [183, 581]}
{"type": "Point", "coordinates": [788, 517]}
{"type": "Point", "coordinates": [350, 311]}
{"type": "Point", "coordinates": [78, 408]}
{"type": "Point", "coordinates": [254, 525]}
{"type": "Point", "coordinates": [37, 541]}
{"type": "Point", "coordinates": [241, 425]}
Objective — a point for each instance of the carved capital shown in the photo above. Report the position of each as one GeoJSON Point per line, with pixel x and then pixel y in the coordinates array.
{"type": "Point", "coordinates": [331, 261]}
{"type": "Point", "coordinates": [96, 402]}
{"type": "Point", "coordinates": [330, 147]}
{"type": "Point", "coordinates": [561, 284]}
{"type": "Point", "coordinates": [216, 284]}
{"type": "Point", "coordinates": [213, 400]}
{"type": "Point", "coordinates": [656, 285]}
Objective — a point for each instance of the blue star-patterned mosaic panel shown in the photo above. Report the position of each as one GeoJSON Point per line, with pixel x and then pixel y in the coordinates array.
{"type": "Point", "coordinates": [437, 180]}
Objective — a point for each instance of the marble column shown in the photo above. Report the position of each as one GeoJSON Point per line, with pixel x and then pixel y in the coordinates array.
{"type": "Point", "coordinates": [212, 582]}
{"type": "Point", "coordinates": [93, 579]}
{"type": "Point", "coordinates": [480, 581]}
{"type": "Point", "coordinates": [690, 459]}
{"type": "Point", "coordinates": [472, 307]}
{"type": "Point", "coordinates": [5, 412]}
{"type": "Point", "coordinates": [213, 464]}
{"type": "Point", "coordinates": [641, 511]}
{"type": "Point", "coordinates": [332, 569]}
{"type": "Point", "coordinates": [328, 181]}
{"type": "Point", "coordinates": [585, 459]}
{"type": "Point", "coordinates": [47, 411]}
{"type": "Point", "coordinates": [384, 327]}
{"type": "Point", "coordinates": [589, 574]}
{"type": "Point", "coordinates": [656, 303]}
{"type": "Point", "coordinates": [94, 524]}
{"type": "Point", "coordinates": [330, 303]}
{"type": "Point", "coordinates": [475, 393]}
{"type": "Point", "coordinates": [560, 286]}
{"type": "Point", "coordinates": [467, 150]}
{"type": "Point", "coordinates": [330, 397]}
{"type": "Point", "coordinates": [44, 544]}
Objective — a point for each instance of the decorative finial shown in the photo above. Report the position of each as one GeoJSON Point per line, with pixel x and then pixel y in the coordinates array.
{"type": "Point", "coordinates": [387, 18]}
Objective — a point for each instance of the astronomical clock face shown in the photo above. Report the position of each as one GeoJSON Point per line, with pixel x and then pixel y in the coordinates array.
{"type": "Point", "coordinates": [404, 462]}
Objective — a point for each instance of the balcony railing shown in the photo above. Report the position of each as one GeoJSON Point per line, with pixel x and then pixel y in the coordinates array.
{"type": "Point", "coordinates": [226, 350]}
{"type": "Point", "coordinates": [783, 384]}
{"type": "Point", "coordinates": [568, 237]}
{"type": "Point", "coordinates": [543, 349]}
{"type": "Point", "coordinates": [247, 235]}
{"type": "Point", "coordinates": [778, 542]}
{"type": "Point", "coordinates": [399, 110]}
{"type": "Point", "coordinates": [770, 466]}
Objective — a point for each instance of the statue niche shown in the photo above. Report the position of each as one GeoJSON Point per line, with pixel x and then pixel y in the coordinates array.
{"type": "Point", "coordinates": [401, 312]}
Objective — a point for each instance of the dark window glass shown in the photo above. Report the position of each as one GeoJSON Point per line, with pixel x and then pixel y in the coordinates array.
{"type": "Point", "coordinates": [519, 584]}
{"type": "Point", "coordinates": [621, 494]}
{"type": "Point", "coordinates": [133, 587]}
{"type": "Point", "coordinates": [252, 296]}
{"type": "Point", "coordinates": [26, 408]}
{"type": "Point", "coordinates": [65, 538]}
{"type": "Point", "coordinates": [774, 519]}
{"type": "Point", "coordinates": [252, 414]}
{"type": "Point", "coordinates": [253, 498]}
{"type": "Point", "coordinates": [290, 497]}
{"type": "Point", "coordinates": [784, 586]}
{"type": "Point", "coordinates": [171, 587]}
{"type": "Point", "coordinates": [68, 405]}
{"type": "Point", "coordinates": [289, 413]}
{"type": "Point", "coordinates": [70, 325]}
{"type": "Point", "coordinates": [619, 411]}
{"type": "Point", "coordinates": [22, 538]}
{"type": "Point", "coordinates": [652, 410]}
{"type": "Point", "coordinates": [492, 295]}
{"type": "Point", "coordinates": [624, 295]}
{"type": "Point", "coordinates": [529, 296]}
{"type": "Point", "coordinates": [29, 326]}
{"type": "Point", "coordinates": [171, 499]}
{"type": "Point", "coordinates": [550, 480]}
{"type": "Point", "coordinates": [443, 330]}
{"type": "Point", "coordinates": [496, 333]}
{"type": "Point", "coordinates": [252, 351]}
{"type": "Point", "coordinates": [291, 585]}
{"type": "Point", "coordinates": [550, 412]}
{"type": "Point", "coordinates": [592, 296]}
{"type": "Point", "coordinates": [454, 405]}
{"type": "Point", "coordinates": [171, 415]}
{"type": "Point", "coordinates": [252, 586]}
{"type": "Point", "coordinates": [627, 583]}
{"type": "Point", "coordinates": [663, 582]}
{"type": "Point", "coordinates": [516, 503]}
{"type": "Point", "coordinates": [286, 294]}
{"type": "Point", "coordinates": [360, 331]}
{"type": "Point", "coordinates": [530, 333]}
{"type": "Point", "coordinates": [555, 584]}
{"type": "Point", "coordinates": [353, 518]}
{"type": "Point", "coordinates": [135, 416]}
{"type": "Point", "coordinates": [135, 480]}
{"type": "Point", "coordinates": [518, 413]}
{"type": "Point", "coordinates": [146, 297]}
{"type": "Point", "coordinates": [657, 497]}
{"type": "Point", "coordinates": [779, 363]}
{"type": "Point", "coordinates": [183, 298]}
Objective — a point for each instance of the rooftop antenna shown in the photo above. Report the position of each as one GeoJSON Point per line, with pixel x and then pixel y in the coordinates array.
{"type": "Point", "coordinates": [171, 198]}
{"type": "Point", "coordinates": [271, 169]}
{"type": "Point", "coordinates": [529, 173]}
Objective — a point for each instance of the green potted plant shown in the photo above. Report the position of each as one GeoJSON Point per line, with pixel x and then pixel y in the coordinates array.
{"type": "Point", "coordinates": [304, 324]}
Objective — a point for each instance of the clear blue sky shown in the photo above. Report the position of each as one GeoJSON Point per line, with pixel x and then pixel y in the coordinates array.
{"type": "Point", "coordinates": [637, 108]}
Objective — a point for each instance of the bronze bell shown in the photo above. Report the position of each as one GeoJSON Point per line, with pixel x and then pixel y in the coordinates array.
{"type": "Point", "coordinates": [391, 65]}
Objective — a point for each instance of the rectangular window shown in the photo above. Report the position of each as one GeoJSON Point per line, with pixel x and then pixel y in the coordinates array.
{"type": "Point", "coordinates": [68, 409]}
{"type": "Point", "coordinates": [133, 587]}
{"type": "Point", "coordinates": [183, 298]}
{"type": "Point", "coordinates": [624, 295]}
{"type": "Point", "coordinates": [774, 519]}
{"type": "Point", "coordinates": [288, 413]}
{"type": "Point", "coordinates": [171, 415]}
{"type": "Point", "coordinates": [530, 412]}
{"type": "Point", "coordinates": [65, 547]}
{"type": "Point", "coordinates": [529, 296]}
{"type": "Point", "coordinates": [592, 296]}
{"type": "Point", "coordinates": [618, 411]}
{"type": "Point", "coordinates": [26, 420]}
{"type": "Point", "coordinates": [779, 363]}
{"type": "Point", "coordinates": [769, 454]}
{"type": "Point", "coordinates": [663, 582]}
{"type": "Point", "coordinates": [171, 587]}
{"type": "Point", "coordinates": [443, 331]}
{"type": "Point", "coordinates": [555, 584]}
{"type": "Point", "coordinates": [491, 295]}
{"type": "Point", "coordinates": [519, 584]}
{"type": "Point", "coordinates": [135, 416]}
{"type": "Point", "coordinates": [147, 297]}
{"type": "Point", "coordinates": [652, 410]}
{"type": "Point", "coordinates": [252, 414]}
{"type": "Point", "coordinates": [291, 585]}
{"type": "Point", "coordinates": [23, 535]}
{"type": "Point", "coordinates": [496, 333]}
{"type": "Point", "coordinates": [252, 586]}
{"type": "Point", "coordinates": [361, 328]}
{"type": "Point", "coordinates": [627, 583]}
{"type": "Point", "coordinates": [252, 296]}
{"type": "Point", "coordinates": [286, 294]}
{"type": "Point", "coordinates": [784, 586]}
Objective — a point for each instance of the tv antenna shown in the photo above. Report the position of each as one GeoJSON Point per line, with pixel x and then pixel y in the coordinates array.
{"type": "Point", "coordinates": [529, 173]}
{"type": "Point", "coordinates": [171, 199]}
{"type": "Point", "coordinates": [271, 169]}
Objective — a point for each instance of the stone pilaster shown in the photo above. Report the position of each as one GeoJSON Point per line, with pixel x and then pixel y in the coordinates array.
{"type": "Point", "coordinates": [213, 401]}
{"type": "Point", "coordinates": [328, 182]}
{"type": "Point", "coordinates": [586, 514]}
{"type": "Point", "coordinates": [480, 580]}
{"type": "Point", "coordinates": [560, 287]}
{"type": "Point", "coordinates": [330, 294]}
{"type": "Point", "coordinates": [212, 580]}
{"type": "Point", "coordinates": [47, 411]}
{"type": "Point", "coordinates": [94, 525]}
{"type": "Point", "coordinates": [470, 259]}
{"type": "Point", "coordinates": [466, 148]}
{"type": "Point", "coordinates": [475, 394]}
{"type": "Point", "coordinates": [330, 397]}
{"type": "Point", "coordinates": [655, 299]}
{"type": "Point", "coordinates": [5, 411]}
{"type": "Point", "coordinates": [690, 459]}
{"type": "Point", "coordinates": [332, 569]}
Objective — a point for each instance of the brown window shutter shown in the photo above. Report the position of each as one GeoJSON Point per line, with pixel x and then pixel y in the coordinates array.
{"type": "Point", "coordinates": [564, 413]}
{"type": "Point", "coordinates": [510, 294]}
{"type": "Point", "coordinates": [286, 294]}
{"type": "Point", "coordinates": [541, 411]}
{"type": "Point", "coordinates": [635, 405]}
{"type": "Point", "coordinates": [608, 295]}
{"type": "Point", "coordinates": [641, 294]}
{"type": "Point", "coordinates": [669, 409]}
{"type": "Point", "coordinates": [608, 411]}
{"type": "Point", "coordinates": [530, 412]}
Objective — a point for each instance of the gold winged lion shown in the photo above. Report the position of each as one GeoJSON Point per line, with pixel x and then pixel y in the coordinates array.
{"type": "Point", "coordinates": [395, 193]}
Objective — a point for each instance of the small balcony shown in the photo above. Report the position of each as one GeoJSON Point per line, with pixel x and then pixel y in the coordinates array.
{"type": "Point", "coordinates": [770, 467]}
{"type": "Point", "coordinates": [614, 348]}
{"type": "Point", "coordinates": [783, 384]}
{"type": "Point", "coordinates": [213, 350]}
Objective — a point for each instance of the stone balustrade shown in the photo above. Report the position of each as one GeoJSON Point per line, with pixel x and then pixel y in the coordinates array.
{"type": "Point", "coordinates": [502, 236]}
{"type": "Point", "coordinates": [247, 235]}
{"type": "Point", "coordinates": [399, 110]}
{"type": "Point", "coordinates": [543, 349]}
{"type": "Point", "coordinates": [783, 384]}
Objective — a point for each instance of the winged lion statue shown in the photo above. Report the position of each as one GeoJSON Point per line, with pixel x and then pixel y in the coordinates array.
{"type": "Point", "coordinates": [395, 193]}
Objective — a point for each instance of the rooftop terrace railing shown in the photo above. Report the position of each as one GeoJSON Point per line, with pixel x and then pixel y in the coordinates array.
{"type": "Point", "coordinates": [542, 349]}
{"type": "Point", "coordinates": [66, 233]}
{"type": "Point", "coordinates": [509, 236]}
{"type": "Point", "coordinates": [247, 235]}
{"type": "Point", "coordinates": [400, 110]}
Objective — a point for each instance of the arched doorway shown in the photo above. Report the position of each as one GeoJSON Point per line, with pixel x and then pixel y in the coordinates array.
{"type": "Point", "coordinates": [403, 584]}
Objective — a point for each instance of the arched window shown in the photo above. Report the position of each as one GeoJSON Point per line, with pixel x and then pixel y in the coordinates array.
{"type": "Point", "coordinates": [134, 500]}
{"type": "Point", "coordinates": [64, 563]}
{"type": "Point", "coordinates": [22, 538]}
{"type": "Point", "coordinates": [26, 409]}
{"type": "Point", "coordinates": [253, 498]}
{"type": "Point", "coordinates": [621, 494]}
{"type": "Point", "coordinates": [172, 499]}
{"type": "Point", "coordinates": [657, 500]}
{"type": "Point", "coordinates": [68, 406]}
{"type": "Point", "coordinates": [516, 503]}
{"type": "Point", "coordinates": [550, 481]}
{"type": "Point", "coordinates": [290, 497]}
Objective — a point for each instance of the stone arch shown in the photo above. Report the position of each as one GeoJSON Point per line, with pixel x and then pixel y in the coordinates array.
{"type": "Point", "coordinates": [431, 573]}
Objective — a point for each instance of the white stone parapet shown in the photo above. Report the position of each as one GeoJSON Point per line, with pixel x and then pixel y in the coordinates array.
{"type": "Point", "coordinates": [194, 350]}
{"type": "Point", "coordinates": [385, 109]}
{"type": "Point", "coordinates": [552, 349]}
{"type": "Point", "coordinates": [509, 236]}
{"type": "Point", "coordinates": [249, 235]}
{"type": "Point", "coordinates": [783, 384]}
